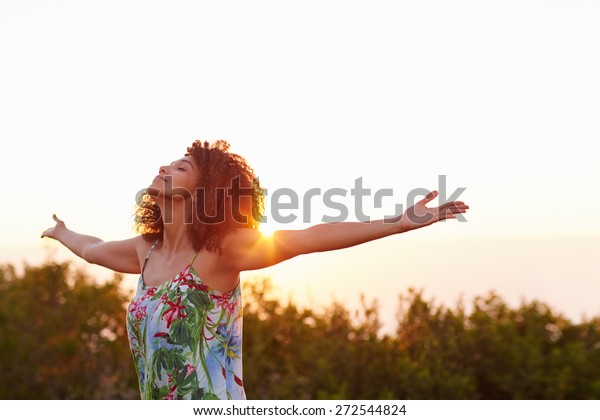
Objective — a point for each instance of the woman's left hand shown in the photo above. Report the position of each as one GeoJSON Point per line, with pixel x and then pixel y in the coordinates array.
{"type": "Point", "coordinates": [420, 215]}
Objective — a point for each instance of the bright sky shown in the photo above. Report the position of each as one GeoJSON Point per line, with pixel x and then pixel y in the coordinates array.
{"type": "Point", "coordinates": [499, 97]}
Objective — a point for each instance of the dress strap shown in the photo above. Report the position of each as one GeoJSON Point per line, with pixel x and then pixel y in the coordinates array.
{"type": "Point", "coordinates": [148, 254]}
{"type": "Point", "coordinates": [191, 262]}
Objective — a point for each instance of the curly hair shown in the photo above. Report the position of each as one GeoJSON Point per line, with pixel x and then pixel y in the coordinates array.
{"type": "Point", "coordinates": [219, 171]}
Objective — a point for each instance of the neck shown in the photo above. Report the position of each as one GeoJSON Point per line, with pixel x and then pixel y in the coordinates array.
{"type": "Point", "coordinates": [175, 237]}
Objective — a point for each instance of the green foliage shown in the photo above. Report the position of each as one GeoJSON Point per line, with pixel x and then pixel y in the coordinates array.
{"type": "Point", "coordinates": [493, 352]}
{"type": "Point", "coordinates": [62, 335]}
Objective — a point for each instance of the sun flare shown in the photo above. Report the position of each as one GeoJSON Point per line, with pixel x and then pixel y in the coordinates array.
{"type": "Point", "coordinates": [267, 229]}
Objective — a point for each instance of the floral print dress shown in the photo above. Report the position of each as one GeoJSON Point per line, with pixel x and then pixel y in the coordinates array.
{"type": "Point", "coordinates": [186, 338]}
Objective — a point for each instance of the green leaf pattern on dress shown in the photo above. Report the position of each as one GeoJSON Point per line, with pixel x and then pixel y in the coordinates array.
{"type": "Point", "coordinates": [186, 339]}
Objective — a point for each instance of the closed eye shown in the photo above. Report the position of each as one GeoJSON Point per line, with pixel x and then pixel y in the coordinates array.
{"type": "Point", "coordinates": [180, 163]}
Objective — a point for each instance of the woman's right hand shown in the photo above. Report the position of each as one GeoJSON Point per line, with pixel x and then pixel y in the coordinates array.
{"type": "Point", "coordinates": [121, 256]}
{"type": "Point", "coordinates": [53, 231]}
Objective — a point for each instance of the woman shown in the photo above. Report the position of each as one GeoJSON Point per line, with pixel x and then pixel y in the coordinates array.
{"type": "Point", "coordinates": [198, 222]}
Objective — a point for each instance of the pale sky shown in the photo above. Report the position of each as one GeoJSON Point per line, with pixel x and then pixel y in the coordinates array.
{"type": "Point", "coordinates": [500, 97]}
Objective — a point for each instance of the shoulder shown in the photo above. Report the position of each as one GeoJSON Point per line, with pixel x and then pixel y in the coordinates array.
{"type": "Point", "coordinates": [242, 233]}
{"type": "Point", "coordinates": [249, 249]}
{"type": "Point", "coordinates": [237, 243]}
{"type": "Point", "coordinates": [239, 239]}
{"type": "Point", "coordinates": [141, 245]}
{"type": "Point", "coordinates": [122, 255]}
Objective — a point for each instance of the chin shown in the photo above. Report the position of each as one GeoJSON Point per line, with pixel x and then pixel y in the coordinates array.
{"type": "Point", "coordinates": [153, 191]}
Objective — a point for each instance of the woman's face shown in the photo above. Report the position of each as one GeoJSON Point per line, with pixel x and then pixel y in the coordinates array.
{"type": "Point", "coordinates": [178, 179]}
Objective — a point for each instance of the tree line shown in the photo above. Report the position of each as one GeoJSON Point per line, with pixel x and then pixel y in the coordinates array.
{"type": "Point", "coordinates": [63, 336]}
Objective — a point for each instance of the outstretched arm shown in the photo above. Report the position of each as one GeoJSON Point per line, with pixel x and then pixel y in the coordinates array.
{"type": "Point", "coordinates": [120, 256]}
{"type": "Point", "coordinates": [248, 249]}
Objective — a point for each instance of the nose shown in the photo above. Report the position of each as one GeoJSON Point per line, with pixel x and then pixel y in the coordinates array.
{"type": "Point", "coordinates": [162, 170]}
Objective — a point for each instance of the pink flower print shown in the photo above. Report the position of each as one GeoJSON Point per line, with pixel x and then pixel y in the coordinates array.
{"type": "Point", "coordinates": [188, 280]}
{"type": "Point", "coordinates": [149, 293]}
{"type": "Point", "coordinates": [140, 313]}
{"type": "Point", "coordinates": [189, 369]}
{"type": "Point", "coordinates": [238, 380]}
{"type": "Point", "coordinates": [223, 302]}
{"type": "Point", "coordinates": [197, 286]}
{"type": "Point", "coordinates": [134, 306]}
{"type": "Point", "coordinates": [170, 395]}
{"type": "Point", "coordinates": [175, 311]}
{"type": "Point", "coordinates": [184, 277]}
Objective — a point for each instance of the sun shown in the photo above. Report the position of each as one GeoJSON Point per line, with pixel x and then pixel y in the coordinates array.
{"type": "Point", "coordinates": [267, 229]}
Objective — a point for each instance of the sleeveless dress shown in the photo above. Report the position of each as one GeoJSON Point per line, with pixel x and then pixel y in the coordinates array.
{"type": "Point", "coordinates": [186, 338]}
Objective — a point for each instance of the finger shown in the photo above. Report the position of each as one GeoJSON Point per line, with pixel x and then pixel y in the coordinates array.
{"type": "Point", "coordinates": [454, 203]}
{"type": "Point", "coordinates": [429, 197]}
{"type": "Point", "coordinates": [453, 206]}
{"type": "Point", "coordinates": [453, 212]}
